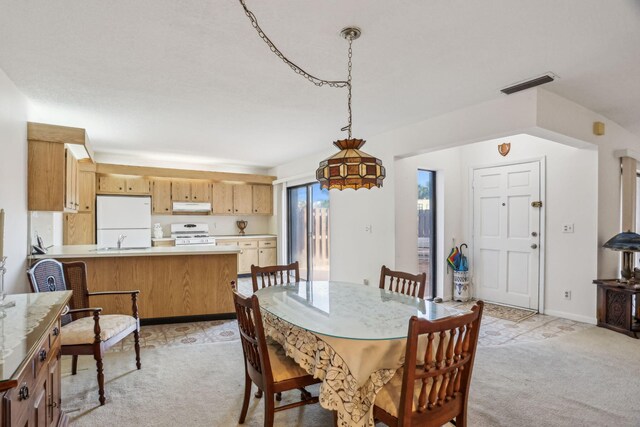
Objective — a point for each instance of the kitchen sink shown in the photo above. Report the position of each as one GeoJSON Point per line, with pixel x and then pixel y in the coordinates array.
{"type": "Point", "coordinates": [116, 249]}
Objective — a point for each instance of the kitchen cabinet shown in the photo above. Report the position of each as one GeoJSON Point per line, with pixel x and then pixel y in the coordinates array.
{"type": "Point", "coordinates": [221, 198]}
{"type": "Point", "coordinates": [262, 252]}
{"type": "Point", "coordinates": [52, 168]}
{"type": "Point", "coordinates": [87, 191]}
{"type": "Point", "coordinates": [262, 199]}
{"type": "Point", "coordinates": [114, 184]}
{"type": "Point", "coordinates": [79, 228]}
{"type": "Point", "coordinates": [242, 199]}
{"type": "Point", "coordinates": [71, 193]}
{"type": "Point", "coordinates": [190, 191]}
{"type": "Point", "coordinates": [161, 197]}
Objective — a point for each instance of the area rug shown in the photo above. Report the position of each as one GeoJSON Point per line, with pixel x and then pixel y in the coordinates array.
{"type": "Point", "coordinates": [500, 311]}
{"type": "Point", "coordinates": [583, 378]}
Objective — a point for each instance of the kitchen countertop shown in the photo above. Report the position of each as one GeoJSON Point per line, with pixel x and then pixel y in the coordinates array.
{"type": "Point", "coordinates": [246, 236]}
{"type": "Point", "coordinates": [92, 251]}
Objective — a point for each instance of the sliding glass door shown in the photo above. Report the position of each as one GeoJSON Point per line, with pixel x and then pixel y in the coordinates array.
{"type": "Point", "coordinates": [308, 241]}
{"type": "Point", "coordinates": [427, 228]}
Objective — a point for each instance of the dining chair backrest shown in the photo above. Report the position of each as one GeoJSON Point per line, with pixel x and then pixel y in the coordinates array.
{"type": "Point", "coordinates": [405, 283]}
{"type": "Point", "coordinates": [437, 390]}
{"type": "Point", "coordinates": [50, 275]}
{"type": "Point", "coordinates": [252, 337]}
{"type": "Point", "coordinates": [261, 277]}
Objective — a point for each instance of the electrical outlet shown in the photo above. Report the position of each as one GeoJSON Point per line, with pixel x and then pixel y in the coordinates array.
{"type": "Point", "coordinates": [368, 228]}
{"type": "Point", "coordinates": [567, 295]}
{"type": "Point", "coordinates": [567, 228]}
{"type": "Point", "coordinates": [366, 282]}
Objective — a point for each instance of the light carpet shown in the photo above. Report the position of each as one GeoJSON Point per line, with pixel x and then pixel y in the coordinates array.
{"type": "Point", "coordinates": [584, 378]}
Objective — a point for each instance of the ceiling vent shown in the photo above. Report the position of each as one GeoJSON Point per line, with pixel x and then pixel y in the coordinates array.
{"type": "Point", "coordinates": [546, 78]}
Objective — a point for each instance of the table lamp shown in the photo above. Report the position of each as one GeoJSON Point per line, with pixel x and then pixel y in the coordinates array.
{"type": "Point", "coordinates": [627, 242]}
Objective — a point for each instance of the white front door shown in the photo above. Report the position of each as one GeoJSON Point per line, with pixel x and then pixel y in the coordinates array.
{"type": "Point", "coordinates": [506, 234]}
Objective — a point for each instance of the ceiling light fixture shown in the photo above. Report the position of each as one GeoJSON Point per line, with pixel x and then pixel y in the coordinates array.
{"type": "Point", "coordinates": [350, 167]}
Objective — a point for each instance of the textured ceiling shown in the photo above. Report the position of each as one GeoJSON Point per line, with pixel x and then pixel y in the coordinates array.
{"type": "Point", "coordinates": [191, 79]}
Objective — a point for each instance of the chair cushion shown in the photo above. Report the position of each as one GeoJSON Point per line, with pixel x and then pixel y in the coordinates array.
{"type": "Point", "coordinates": [80, 331]}
{"type": "Point", "coordinates": [388, 398]}
{"type": "Point", "coordinates": [282, 366]}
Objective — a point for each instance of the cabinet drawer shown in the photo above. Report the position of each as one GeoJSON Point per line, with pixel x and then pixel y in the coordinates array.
{"type": "Point", "coordinates": [54, 334]}
{"type": "Point", "coordinates": [42, 354]}
{"type": "Point", "coordinates": [248, 244]}
{"type": "Point", "coordinates": [226, 243]}
{"type": "Point", "coordinates": [267, 243]}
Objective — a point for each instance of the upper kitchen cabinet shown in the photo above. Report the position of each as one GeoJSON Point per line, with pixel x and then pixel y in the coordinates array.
{"type": "Point", "coordinates": [190, 191]}
{"type": "Point", "coordinates": [87, 190]}
{"type": "Point", "coordinates": [221, 198]}
{"type": "Point", "coordinates": [242, 199]}
{"type": "Point", "coordinates": [161, 197]}
{"type": "Point", "coordinates": [262, 199]}
{"type": "Point", "coordinates": [118, 184]}
{"type": "Point", "coordinates": [53, 156]}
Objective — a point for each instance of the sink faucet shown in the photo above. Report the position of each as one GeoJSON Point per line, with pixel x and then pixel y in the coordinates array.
{"type": "Point", "coordinates": [120, 240]}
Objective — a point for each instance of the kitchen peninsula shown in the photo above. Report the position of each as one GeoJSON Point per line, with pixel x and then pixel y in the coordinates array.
{"type": "Point", "coordinates": [189, 282]}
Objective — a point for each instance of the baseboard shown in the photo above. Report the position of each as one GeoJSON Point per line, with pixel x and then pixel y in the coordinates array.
{"type": "Point", "coordinates": [571, 316]}
{"type": "Point", "coordinates": [185, 319]}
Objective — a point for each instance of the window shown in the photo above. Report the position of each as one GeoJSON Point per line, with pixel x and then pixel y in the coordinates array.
{"type": "Point", "coordinates": [427, 228]}
{"type": "Point", "coordinates": [308, 241]}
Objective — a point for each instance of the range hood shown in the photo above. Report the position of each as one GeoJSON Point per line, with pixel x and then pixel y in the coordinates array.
{"type": "Point", "coordinates": [189, 207]}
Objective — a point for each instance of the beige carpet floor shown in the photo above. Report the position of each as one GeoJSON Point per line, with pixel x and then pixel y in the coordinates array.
{"type": "Point", "coordinates": [590, 377]}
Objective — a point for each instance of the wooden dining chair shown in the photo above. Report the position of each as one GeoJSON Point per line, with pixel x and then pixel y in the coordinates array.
{"type": "Point", "coordinates": [265, 363]}
{"type": "Point", "coordinates": [85, 331]}
{"type": "Point", "coordinates": [274, 275]}
{"type": "Point", "coordinates": [433, 387]}
{"type": "Point", "coordinates": [405, 283]}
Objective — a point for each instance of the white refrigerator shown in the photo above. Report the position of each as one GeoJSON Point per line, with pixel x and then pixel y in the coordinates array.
{"type": "Point", "coordinates": [128, 216]}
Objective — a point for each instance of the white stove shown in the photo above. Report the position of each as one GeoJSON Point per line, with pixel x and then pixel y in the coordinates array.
{"type": "Point", "coordinates": [192, 234]}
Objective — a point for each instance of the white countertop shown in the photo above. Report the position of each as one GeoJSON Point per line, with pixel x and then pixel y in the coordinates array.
{"type": "Point", "coordinates": [246, 236]}
{"type": "Point", "coordinates": [92, 251]}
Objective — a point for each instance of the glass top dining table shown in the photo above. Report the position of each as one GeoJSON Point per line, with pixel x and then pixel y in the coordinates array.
{"type": "Point", "coordinates": [348, 310]}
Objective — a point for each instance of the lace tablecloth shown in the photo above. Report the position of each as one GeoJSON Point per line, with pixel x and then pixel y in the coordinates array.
{"type": "Point", "coordinates": [350, 381]}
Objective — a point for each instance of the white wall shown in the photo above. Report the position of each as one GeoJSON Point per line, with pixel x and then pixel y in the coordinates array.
{"type": "Point", "coordinates": [13, 179]}
{"type": "Point", "coordinates": [449, 212]}
{"type": "Point", "coordinates": [355, 255]}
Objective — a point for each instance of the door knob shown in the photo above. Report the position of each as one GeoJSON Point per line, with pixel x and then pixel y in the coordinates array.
{"type": "Point", "coordinates": [534, 246]}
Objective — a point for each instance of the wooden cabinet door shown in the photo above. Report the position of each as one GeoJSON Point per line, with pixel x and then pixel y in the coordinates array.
{"type": "Point", "coordinates": [71, 182]}
{"type": "Point", "coordinates": [181, 191]}
{"type": "Point", "coordinates": [267, 257]}
{"type": "Point", "coordinates": [161, 197]}
{"type": "Point", "coordinates": [111, 184]}
{"type": "Point", "coordinates": [242, 199]}
{"type": "Point", "coordinates": [54, 390]}
{"type": "Point", "coordinates": [47, 177]}
{"type": "Point", "coordinates": [78, 229]}
{"type": "Point", "coordinates": [137, 185]}
{"type": "Point", "coordinates": [200, 191]}
{"type": "Point", "coordinates": [221, 198]}
{"type": "Point", "coordinates": [248, 257]}
{"type": "Point", "coordinates": [262, 199]}
{"type": "Point", "coordinates": [38, 416]}
{"type": "Point", "coordinates": [87, 190]}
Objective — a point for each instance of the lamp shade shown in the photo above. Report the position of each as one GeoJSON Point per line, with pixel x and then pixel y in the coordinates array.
{"type": "Point", "coordinates": [625, 241]}
{"type": "Point", "coordinates": [350, 168]}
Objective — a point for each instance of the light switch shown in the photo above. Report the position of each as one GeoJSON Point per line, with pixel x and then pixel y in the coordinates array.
{"type": "Point", "coordinates": [567, 228]}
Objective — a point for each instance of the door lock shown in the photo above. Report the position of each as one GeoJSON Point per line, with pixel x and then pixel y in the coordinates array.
{"type": "Point", "coordinates": [534, 246]}
{"type": "Point", "coordinates": [534, 233]}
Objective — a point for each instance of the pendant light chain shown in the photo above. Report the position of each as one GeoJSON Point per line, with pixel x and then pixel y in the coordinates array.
{"type": "Point", "coordinates": [349, 85]}
{"type": "Point", "coordinates": [315, 80]}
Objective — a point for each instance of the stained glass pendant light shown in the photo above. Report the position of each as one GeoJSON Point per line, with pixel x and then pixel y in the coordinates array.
{"type": "Point", "coordinates": [350, 167]}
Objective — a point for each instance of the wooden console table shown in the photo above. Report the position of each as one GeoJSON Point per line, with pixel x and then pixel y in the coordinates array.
{"type": "Point", "coordinates": [616, 304]}
{"type": "Point", "coordinates": [30, 386]}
